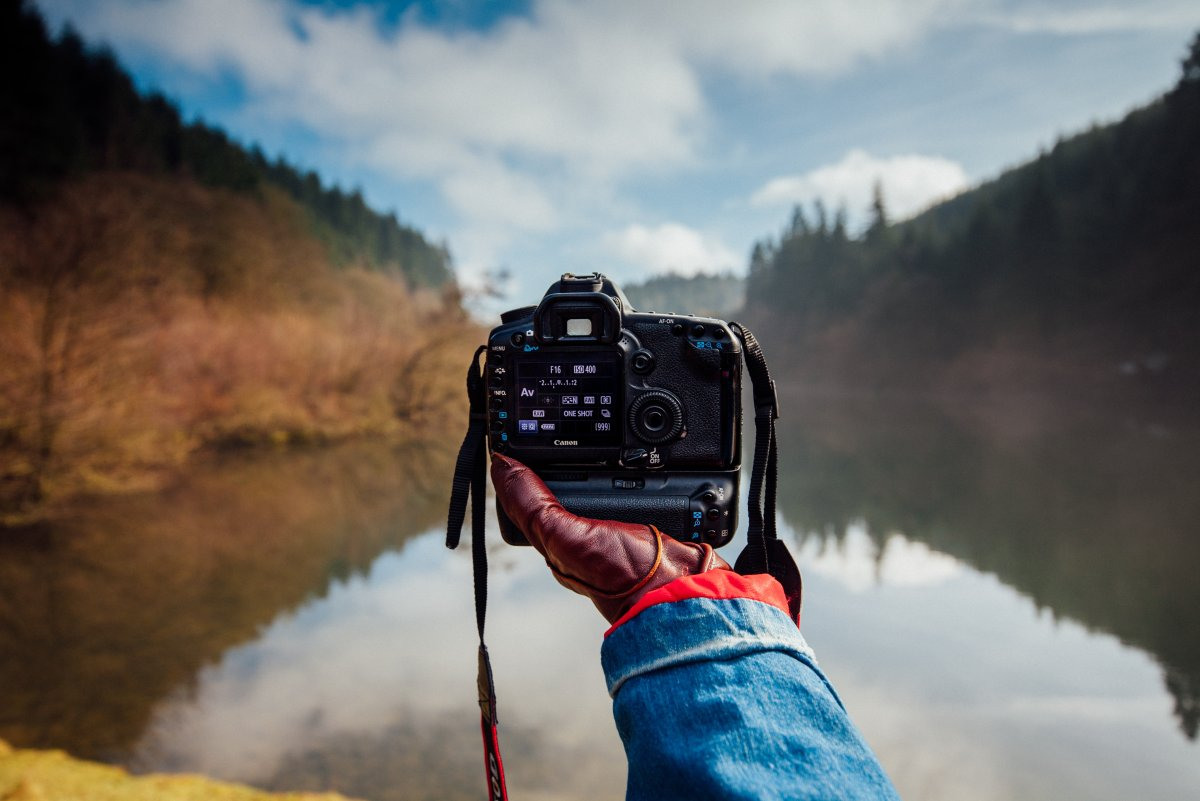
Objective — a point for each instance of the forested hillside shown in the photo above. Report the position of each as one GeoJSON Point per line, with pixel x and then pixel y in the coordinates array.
{"type": "Point", "coordinates": [164, 292]}
{"type": "Point", "coordinates": [1076, 269]}
{"type": "Point", "coordinates": [68, 110]}
{"type": "Point", "coordinates": [719, 296]}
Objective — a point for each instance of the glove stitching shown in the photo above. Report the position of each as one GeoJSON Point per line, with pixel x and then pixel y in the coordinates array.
{"type": "Point", "coordinates": [613, 596]}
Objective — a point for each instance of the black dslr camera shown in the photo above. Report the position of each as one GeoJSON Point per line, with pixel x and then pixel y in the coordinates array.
{"type": "Point", "coordinates": [625, 415]}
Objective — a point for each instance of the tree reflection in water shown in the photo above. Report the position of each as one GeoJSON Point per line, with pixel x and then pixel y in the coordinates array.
{"type": "Point", "coordinates": [118, 603]}
{"type": "Point", "coordinates": [1092, 517]}
{"type": "Point", "coordinates": [276, 619]}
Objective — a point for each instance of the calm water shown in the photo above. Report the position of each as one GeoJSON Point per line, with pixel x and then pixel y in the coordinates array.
{"type": "Point", "coordinates": [1008, 605]}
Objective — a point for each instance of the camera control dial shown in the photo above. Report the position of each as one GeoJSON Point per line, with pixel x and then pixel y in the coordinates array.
{"type": "Point", "coordinates": [656, 416]}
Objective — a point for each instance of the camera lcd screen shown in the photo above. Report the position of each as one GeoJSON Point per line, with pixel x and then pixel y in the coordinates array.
{"type": "Point", "coordinates": [568, 400]}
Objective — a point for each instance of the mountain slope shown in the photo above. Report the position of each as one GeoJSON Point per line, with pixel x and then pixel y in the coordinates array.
{"type": "Point", "coordinates": [1075, 269]}
{"type": "Point", "coordinates": [164, 292]}
{"type": "Point", "coordinates": [69, 110]}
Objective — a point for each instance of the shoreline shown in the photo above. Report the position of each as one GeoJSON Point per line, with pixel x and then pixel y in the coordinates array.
{"type": "Point", "coordinates": [156, 479]}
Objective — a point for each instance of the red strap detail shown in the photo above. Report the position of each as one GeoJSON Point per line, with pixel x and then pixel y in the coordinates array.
{"type": "Point", "coordinates": [721, 585]}
{"type": "Point", "coordinates": [493, 765]}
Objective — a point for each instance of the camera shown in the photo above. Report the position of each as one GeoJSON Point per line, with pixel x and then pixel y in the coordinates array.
{"type": "Point", "coordinates": [626, 415]}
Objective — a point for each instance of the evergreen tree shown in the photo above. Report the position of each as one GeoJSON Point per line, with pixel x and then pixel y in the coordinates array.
{"type": "Point", "coordinates": [1095, 238]}
{"type": "Point", "coordinates": [879, 219]}
{"type": "Point", "coordinates": [68, 110]}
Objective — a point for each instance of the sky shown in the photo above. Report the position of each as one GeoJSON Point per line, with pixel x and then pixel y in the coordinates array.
{"type": "Point", "coordinates": [637, 138]}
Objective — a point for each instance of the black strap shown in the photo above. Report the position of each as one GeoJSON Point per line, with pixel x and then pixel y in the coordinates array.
{"type": "Point", "coordinates": [764, 551]}
{"type": "Point", "coordinates": [470, 479]}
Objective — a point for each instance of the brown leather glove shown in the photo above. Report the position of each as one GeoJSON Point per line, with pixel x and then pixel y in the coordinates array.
{"type": "Point", "coordinates": [610, 562]}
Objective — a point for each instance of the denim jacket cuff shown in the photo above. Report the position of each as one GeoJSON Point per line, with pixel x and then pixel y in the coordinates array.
{"type": "Point", "coordinates": [697, 629]}
{"type": "Point", "coordinates": [717, 584]}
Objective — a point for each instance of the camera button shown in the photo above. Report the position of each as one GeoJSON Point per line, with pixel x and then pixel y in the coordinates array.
{"type": "Point", "coordinates": [636, 483]}
{"type": "Point", "coordinates": [634, 456]}
{"type": "Point", "coordinates": [517, 339]}
{"type": "Point", "coordinates": [643, 362]}
{"type": "Point", "coordinates": [697, 330]}
{"type": "Point", "coordinates": [713, 513]}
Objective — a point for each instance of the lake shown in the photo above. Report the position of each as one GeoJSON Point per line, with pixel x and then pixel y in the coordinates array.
{"type": "Point", "coordinates": [1006, 599]}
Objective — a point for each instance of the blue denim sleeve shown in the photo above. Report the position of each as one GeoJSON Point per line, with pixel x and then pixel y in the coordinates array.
{"type": "Point", "coordinates": [723, 699]}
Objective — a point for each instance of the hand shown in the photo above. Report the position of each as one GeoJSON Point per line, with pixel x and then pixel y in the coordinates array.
{"type": "Point", "coordinates": [612, 563]}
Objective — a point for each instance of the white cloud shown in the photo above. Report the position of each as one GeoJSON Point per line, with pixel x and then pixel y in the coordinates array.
{"type": "Point", "coordinates": [422, 102]}
{"type": "Point", "coordinates": [818, 37]}
{"type": "Point", "coordinates": [537, 124]}
{"type": "Point", "coordinates": [591, 91]}
{"type": "Point", "coordinates": [1088, 18]}
{"type": "Point", "coordinates": [671, 247]}
{"type": "Point", "coordinates": [910, 184]}
{"type": "Point", "coordinates": [500, 195]}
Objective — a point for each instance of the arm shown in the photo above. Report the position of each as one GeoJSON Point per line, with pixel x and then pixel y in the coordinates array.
{"type": "Point", "coordinates": [715, 693]}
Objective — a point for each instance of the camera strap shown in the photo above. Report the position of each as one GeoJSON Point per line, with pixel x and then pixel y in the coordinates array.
{"type": "Point", "coordinates": [764, 551]}
{"type": "Point", "coordinates": [470, 479]}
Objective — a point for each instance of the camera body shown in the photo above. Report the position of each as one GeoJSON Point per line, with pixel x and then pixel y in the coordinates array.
{"type": "Point", "coordinates": [625, 415]}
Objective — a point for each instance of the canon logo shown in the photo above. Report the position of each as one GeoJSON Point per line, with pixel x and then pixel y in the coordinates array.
{"type": "Point", "coordinates": [566, 442]}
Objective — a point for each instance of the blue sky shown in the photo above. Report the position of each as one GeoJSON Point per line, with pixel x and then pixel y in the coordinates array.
{"type": "Point", "coordinates": [640, 137]}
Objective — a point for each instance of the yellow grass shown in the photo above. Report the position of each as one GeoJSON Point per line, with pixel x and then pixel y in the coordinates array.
{"type": "Point", "coordinates": [31, 775]}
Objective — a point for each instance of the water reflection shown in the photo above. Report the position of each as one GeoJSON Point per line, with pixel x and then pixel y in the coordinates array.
{"type": "Point", "coordinates": [1094, 518]}
{"type": "Point", "coordinates": [371, 689]}
{"type": "Point", "coordinates": [861, 564]}
{"type": "Point", "coordinates": [967, 690]}
{"type": "Point", "coordinates": [294, 621]}
{"type": "Point", "coordinates": [999, 606]}
{"type": "Point", "coordinates": [119, 603]}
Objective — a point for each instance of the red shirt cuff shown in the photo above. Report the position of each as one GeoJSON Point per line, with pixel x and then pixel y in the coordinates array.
{"type": "Point", "coordinates": [719, 585]}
